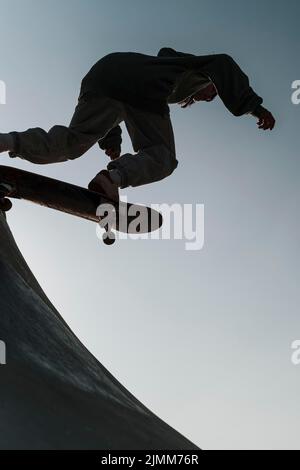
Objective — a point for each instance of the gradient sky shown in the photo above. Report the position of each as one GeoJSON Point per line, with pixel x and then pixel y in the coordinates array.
{"type": "Point", "coordinates": [203, 338]}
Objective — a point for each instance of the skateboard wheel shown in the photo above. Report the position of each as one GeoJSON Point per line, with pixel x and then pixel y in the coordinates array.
{"type": "Point", "coordinates": [5, 204]}
{"type": "Point", "coordinates": [108, 238]}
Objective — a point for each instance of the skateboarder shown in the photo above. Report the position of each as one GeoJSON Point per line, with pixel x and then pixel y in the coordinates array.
{"type": "Point", "coordinates": [137, 89]}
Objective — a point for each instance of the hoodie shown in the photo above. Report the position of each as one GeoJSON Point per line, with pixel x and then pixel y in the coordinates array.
{"type": "Point", "coordinates": [150, 82]}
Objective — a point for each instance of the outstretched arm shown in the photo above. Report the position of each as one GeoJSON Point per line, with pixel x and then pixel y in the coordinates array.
{"type": "Point", "coordinates": [230, 81]}
{"type": "Point", "coordinates": [232, 84]}
{"type": "Point", "coordinates": [111, 143]}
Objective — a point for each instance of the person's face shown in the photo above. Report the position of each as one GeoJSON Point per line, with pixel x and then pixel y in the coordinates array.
{"type": "Point", "coordinates": [206, 94]}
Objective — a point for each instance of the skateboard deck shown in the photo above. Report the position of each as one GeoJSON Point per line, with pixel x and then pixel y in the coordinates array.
{"type": "Point", "coordinates": [77, 201]}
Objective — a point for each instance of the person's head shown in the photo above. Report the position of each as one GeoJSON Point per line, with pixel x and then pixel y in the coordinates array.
{"type": "Point", "coordinates": [204, 94]}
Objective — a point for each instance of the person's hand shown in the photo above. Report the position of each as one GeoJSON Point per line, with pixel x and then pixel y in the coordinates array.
{"type": "Point", "coordinates": [113, 153]}
{"type": "Point", "coordinates": [266, 121]}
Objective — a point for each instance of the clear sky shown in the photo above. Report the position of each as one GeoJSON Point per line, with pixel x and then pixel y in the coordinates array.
{"type": "Point", "coordinates": [201, 337]}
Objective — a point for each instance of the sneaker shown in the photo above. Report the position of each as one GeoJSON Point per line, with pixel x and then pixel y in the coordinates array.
{"type": "Point", "coordinates": [102, 183]}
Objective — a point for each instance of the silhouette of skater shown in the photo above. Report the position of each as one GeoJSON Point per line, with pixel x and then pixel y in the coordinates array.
{"type": "Point", "coordinates": [137, 89]}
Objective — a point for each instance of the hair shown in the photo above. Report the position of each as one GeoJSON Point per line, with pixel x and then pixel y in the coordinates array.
{"type": "Point", "coordinates": [190, 100]}
{"type": "Point", "coordinates": [187, 102]}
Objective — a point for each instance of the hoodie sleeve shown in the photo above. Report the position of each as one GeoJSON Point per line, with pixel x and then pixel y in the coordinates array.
{"type": "Point", "coordinates": [112, 139]}
{"type": "Point", "coordinates": [230, 81]}
{"type": "Point", "coordinates": [232, 84]}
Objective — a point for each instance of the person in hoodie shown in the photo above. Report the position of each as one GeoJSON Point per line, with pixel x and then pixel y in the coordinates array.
{"type": "Point", "coordinates": [137, 89]}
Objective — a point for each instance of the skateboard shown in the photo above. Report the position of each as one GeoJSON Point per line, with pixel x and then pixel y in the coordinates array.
{"type": "Point", "coordinates": [77, 201]}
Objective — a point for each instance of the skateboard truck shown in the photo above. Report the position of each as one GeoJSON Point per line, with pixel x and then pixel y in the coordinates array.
{"type": "Point", "coordinates": [108, 236]}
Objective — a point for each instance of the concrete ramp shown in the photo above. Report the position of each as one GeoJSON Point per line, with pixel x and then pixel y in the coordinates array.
{"type": "Point", "coordinates": [54, 394]}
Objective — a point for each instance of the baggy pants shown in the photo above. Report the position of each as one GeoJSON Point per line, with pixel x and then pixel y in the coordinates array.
{"type": "Point", "coordinates": [95, 115]}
